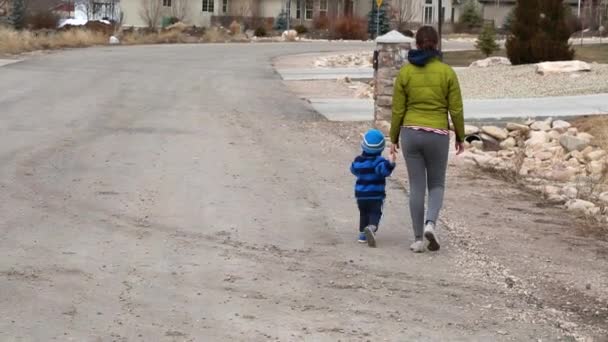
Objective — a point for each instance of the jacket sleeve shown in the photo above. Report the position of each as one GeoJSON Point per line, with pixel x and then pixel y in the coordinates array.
{"type": "Point", "coordinates": [385, 168]}
{"type": "Point", "coordinates": [455, 105]}
{"type": "Point", "coordinates": [353, 170]}
{"type": "Point", "coordinates": [399, 108]}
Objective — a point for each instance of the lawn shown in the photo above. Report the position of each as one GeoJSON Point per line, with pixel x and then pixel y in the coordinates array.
{"type": "Point", "coordinates": [588, 53]}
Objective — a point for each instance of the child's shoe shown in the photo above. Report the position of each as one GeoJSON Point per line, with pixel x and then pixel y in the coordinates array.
{"type": "Point", "coordinates": [362, 237]}
{"type": "Point", "coordinates": [370, 235]}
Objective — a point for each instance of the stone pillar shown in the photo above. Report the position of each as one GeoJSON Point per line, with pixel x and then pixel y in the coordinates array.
{"type": "Point", "coordinates": [392, 49]}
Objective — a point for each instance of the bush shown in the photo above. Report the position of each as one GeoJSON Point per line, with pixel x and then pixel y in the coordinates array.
{"type": "Point", "coordinates": [471, 15]}
{"type": "Point", "coordinates": [535, 37]}
{"type": "Point", "coordinates": [372, 23]}
{"type": "Point", "coordinates": [352, 28]}
{"type": "Point", "coordinates": [260, 32]}
{"type": "Point", "coordinates": [17, 17]}
{"type": "Point", "coordinates": [43, 20]}
{"type": "Point", "coordinates": [321, 23]}
{"type": "Point", "coordinates": [280, 24]}
{"type": "Point", "coordinates": [301, 29]}
{"type": "Point", "coordinates": [508, 24]}
{"type": "Point", "coordinates": [407, 33]}
{"type": "Point", "coordinates": [235, 28]}
{"type": "Point", "coordinates": [486, 42]}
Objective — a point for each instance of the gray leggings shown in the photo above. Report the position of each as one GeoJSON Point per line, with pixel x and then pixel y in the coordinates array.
{"type": "Point", "coordinates": [426, 158]}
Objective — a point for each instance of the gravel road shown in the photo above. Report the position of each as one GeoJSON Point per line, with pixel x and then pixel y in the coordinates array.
{"type": "Point", "coordinates": [181, 193]}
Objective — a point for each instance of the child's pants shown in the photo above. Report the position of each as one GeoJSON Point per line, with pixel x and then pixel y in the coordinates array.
{"type": "Point", "coordinates": [370, 212]}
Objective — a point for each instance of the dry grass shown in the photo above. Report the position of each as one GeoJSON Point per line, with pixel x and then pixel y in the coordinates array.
{"type": "Point", "coordinates": [15, 42]}
{"type": "Point", "coordinates": [596, 125]}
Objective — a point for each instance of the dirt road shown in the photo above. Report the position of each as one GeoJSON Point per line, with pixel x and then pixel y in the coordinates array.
{"type": "Point", "coordinates": [180, 193]}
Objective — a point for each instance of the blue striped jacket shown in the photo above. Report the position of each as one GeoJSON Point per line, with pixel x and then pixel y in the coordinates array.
{"type": "Point", "coordinates": [371, 172]}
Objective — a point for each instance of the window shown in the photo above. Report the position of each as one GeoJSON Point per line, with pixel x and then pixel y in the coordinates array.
{"type": "Point", "coordinates": [208, 6]}
{"type": "Point", "coordinates": [308, 10]}
{"type": "Point", "coordinates": [167, 3]}
{"type": "Point", "coordinates": [224, 6]}
{"type": "Point", "coordinates": [298, 9]}
{"type": "Point", "coordinates": [428, 12]}
{"type": "Point", "coordinates": [323, 8]}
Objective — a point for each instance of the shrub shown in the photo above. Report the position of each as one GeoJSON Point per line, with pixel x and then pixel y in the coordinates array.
{"type": "Point", "coordinates": [523, 31]}
{"type": "Point", "coordinates": [235, 27]}
{"type": "Point", "coordinates": [486, 42]}
{"type": "Point", "coordinates": [539, 37]}
{"type": "Point", "coordinates": [260, 32]}
{"type": "Point", "coordinates": [407, 33]}
{"type": "Point", "coordinates": [17, 17]}
{"type": "Point", "coordinates": [301, 29]}
{"type": "Point", "coordinates": [350, 28]}
{"type": "Point", "coordinates": [372, 23]}
{"type": "Point", "coordinates": [508, 24]}
{"type": "Point", "coordinates": [321, 23]}
{"type": "Point", "coordinates": [280, 24]}
{"type": "Point", "coordinates": [42, 20]}
{"type": "Point", "coordinates": [471, 15]}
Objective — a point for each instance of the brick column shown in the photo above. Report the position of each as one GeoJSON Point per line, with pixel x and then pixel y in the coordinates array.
{"type": "Point", "coordinates": [392, 48]}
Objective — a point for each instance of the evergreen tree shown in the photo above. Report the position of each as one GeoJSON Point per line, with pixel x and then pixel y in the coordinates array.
{"type": "Point", "coordinates": [486, 42]}
{"type": "Point", "coordinates": [373, 18]}
{"type": "Point", "coordinates": [471, 15]}
{"type": "Point", "coordinates": [551, 42]}
{"type": "Point", "coordinates": [524, 29]}
{"type": "Point", "coordinates": [280, 23]}
{"type": "Point", "coordinates": [17, 17]}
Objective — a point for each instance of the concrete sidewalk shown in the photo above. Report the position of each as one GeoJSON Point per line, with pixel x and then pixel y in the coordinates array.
{"type": "Point", "coordinates": [495, 109]}
{"type": "Point", "coordinates": [4, 62]}
{"type": "Point", "coordinates": [305, 74]}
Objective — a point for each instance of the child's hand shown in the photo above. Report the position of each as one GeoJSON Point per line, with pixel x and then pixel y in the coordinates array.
{"type": "Point", "coordinates": [392, 157]}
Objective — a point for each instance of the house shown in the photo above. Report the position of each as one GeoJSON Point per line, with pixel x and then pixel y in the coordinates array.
{"type": "Point", "coordinates": [498, 10]}
{"type": "Point", "coordinates": [201, 12]}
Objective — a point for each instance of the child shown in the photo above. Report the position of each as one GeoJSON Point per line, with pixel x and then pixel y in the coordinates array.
{"type": "Point", "coordinates": [371, 170]}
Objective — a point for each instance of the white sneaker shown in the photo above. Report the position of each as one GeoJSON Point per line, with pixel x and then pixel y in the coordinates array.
{"type": "Point", "coordinates": [418, 246]}
{"type": "Point", "coordinates": [370, 235]}
{"type": "Point", "coordinates": [429, 234]}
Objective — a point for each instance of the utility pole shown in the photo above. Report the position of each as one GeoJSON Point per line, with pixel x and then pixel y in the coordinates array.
{"type": "Point", "coordinates": [288, 14]}
{"type": "Point", "coordinates": [440, 21]}
{"type": "Point", "coordinates": [581, 21]}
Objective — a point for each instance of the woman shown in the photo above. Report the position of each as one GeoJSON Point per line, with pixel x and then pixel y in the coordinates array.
{"type": "Point", "coordinates": [426, 95]}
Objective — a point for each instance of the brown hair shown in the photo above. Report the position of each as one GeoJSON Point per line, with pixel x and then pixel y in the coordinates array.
{"type": "Point", "coordinates": [427, 38]}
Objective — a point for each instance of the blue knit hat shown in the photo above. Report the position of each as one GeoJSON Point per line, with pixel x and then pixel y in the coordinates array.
{"type": "Point", "coordinates": [373, 142]}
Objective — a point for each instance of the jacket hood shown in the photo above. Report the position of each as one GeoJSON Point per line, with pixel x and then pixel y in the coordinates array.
{"type": "Point", "coordinates": [422, 57]}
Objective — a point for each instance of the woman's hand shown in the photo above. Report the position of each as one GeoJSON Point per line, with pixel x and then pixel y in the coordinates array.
{"type": "Point", "coordinates": [459, 147]}
{"type": "Point", "coordinates": [394, 148]}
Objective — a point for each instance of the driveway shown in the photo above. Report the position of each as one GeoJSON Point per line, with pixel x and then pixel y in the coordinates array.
{"type": "Point", "coordinates": [180, 193]}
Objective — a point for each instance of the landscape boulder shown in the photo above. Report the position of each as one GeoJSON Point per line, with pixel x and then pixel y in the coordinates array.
{"type": "Point", "coordinates": [114, 41]}
{"type": "Point", "coordinates": [562, 67]}
{"type": "Point", "coordinates": [490, 61]}
{"type": "Point", "coordinates": [495, 132]}
{"type": "Point", "coordinates": [573, 143]}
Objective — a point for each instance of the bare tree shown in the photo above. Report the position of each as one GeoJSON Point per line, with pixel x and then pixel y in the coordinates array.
{"type": "Point", "coordinates": [150, 12]}
{"type": "Point", "coordinates": [3, 7]}
{"type": "Point", "coordinates": [404, 11]}
{"type": "Point", "coordinates": [179, 9]}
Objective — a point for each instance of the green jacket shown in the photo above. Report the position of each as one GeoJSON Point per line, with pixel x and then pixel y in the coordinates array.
{"type": "Point", "coordinates": [424, 96]}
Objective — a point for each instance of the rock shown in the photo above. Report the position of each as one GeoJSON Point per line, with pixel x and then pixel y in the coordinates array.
{"type": "Point", "coordinates": [489, 142]}
{"type": "Point", "coordinates": [491, 61]}
{"type": "Point", "coordinates": [572, 131]}
{"type": "Point", "coordinates": [545, 155]}
{"type": "Point", "coordinates": [495, 132]}
{"type": "Point", "coordinates": [595, 155]}
{"type": "Point", "coordinates": [603, 197]}
{"type": "Point", "coordinates": [596, 168]}
{"type": "Point", "coordinates": [541, 125]}
{"type": "Point", "coordinates": [573, 143]}
{"type": "Point", "coordinates": [289, 36]}
{"type": "Point", "coordinates": [537, 138]}
{"type": "Point", "coordinates": [478, 144]}
{"type": "Point", "coordinates": [551, 190]}
{"type": "Point", "coordinates": [554, 135]}
{"type": "Point", "coordinates": [585, 136]}
{"type": "Point", "coordinates": [563, 175]}
{"type": "Point", "coordinates": [517, 127]}
{"type": "Point", "coordinates": [114, 40]}
{"type": "Point", "coordinates": [570, 191]}
{"type": "Point", "coordinates": [561, 126]}
{"type": "Point", "coordinates": [470, 130]}
{"type": "Point", "coordinates": [509, 143]}
{"type": "Point", "coordinates": [579, 205]}
{"type": "Point", "coordinates": [562, 67]}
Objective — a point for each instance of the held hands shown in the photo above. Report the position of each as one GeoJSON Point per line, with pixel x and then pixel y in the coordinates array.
{"type": "Point", "coordinates": [392, 154]}
{"type": "Point", "coordinates": [459, 148]}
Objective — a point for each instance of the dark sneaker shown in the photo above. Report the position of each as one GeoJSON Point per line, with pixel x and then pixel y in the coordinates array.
{"type": "Point", "coordinates": [362, 238]}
